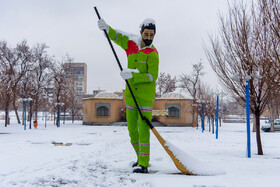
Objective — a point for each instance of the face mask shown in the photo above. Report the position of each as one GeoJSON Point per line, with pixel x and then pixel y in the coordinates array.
{"type": "Point", "coordinates": [147, 42]}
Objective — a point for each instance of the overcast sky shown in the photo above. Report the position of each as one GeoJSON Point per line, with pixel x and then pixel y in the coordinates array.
{"type": "Point", "coordinates": [70, 26]}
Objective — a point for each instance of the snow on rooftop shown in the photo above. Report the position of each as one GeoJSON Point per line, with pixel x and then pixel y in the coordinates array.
{"type": "Point", "coordinates": [172, 95]}
{"type": "Point", "coordinates": [106, 95]}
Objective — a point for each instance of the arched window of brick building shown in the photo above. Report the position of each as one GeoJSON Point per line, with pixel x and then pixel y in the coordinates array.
{"type": "Point", "coordinates": [173, 112]}
{"type": "Point", "coordinates": [102, 111]}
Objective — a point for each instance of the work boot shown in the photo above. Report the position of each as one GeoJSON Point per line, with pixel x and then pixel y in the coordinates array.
{"type": "Point", "coordinates": [135, 164]}
{"type": "Point", "coordinates": [140, 169]}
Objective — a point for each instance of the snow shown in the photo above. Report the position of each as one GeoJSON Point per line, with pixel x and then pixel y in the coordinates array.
{"type": "Point", "coordinates": [192, 164]}
{"type": "Point", "coordinates": [172, 95]}
{"type": "Point", "coordinates": [131, 36]}
{"type": "Point", "coordinates": [101, 156]}
{"type": "Point", "coordinates": [106, 95]}
{"type": "Point", "coordinates": [147, 22]}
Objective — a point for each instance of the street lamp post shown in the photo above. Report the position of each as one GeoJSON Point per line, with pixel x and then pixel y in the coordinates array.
{"type": "Point", "coordinates": [217, 117]}
{"type": "Point", "coordinates": [202, 119]}
{"type": "Point", "coordinates": [203, 104]}
{"type": "Point", "coordinates": [237, 78]}
{"type": "Point", "coordinates": [196, 114]}
{"type": "Point", "coordinates": [217, 111]}
{"type": "Point", "coordinates": [24, 100]}
{"type": "Point", "coordinates": [197, 117]}
{"type": "Point", "coordinates": [248, 119]}
{"type": "Point", "coordinates": [30, 122]}
{"type": "Point", "coordinates": [59, 104]}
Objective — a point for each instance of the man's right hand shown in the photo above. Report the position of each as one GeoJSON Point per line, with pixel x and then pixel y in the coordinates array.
{"type": "Point", "coordinates": [103, 25]}
{"type": "Point", "coordinates": [126, 73]}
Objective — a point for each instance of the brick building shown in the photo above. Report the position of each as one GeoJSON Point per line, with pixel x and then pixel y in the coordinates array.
{"type": "Point", "coordinates": [171, 109]}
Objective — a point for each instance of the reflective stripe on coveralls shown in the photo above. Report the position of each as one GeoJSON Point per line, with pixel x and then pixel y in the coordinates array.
{"type": "Point", "coordinates": [129, 107]}
{"type": "Point", "coordinates": [136, 145]}
{"type": "Point", "coordinates": [142, 108]}
{"type": "Point", "coordinates": [150, 76]}
{"type": "Point", "coordinates": [146, 108]}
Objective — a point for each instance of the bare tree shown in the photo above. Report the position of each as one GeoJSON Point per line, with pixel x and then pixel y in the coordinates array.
{"type": "Point", "coordinates": [244, 48]}
{"type": "Point", "coordinates": [14, 64]}
{"type": "Point", "coordinates": [68, 93]}
{"type": "Point", "coordinates": [5, 97]}
{"type": "Point", "coordinates": [41, 73]}
{"type": "Point", "coordinates": [30, 72]}
{"type": "Point", "coordinates": [75, 104]}
{"type": "Point", "coordinates": [62, 81]}
{"type": "Point", "coordinates": [165, 84]}
{"type": "Point", "coordinates": [59, 75]}
{"type": "Point", "coordinates": [271, 14]}
{"type": "Point", "coordinates": [24, 64]}
{"type": "Point", "coordinates": [204, 95]}
{"type": "Point", "coordinates": [191, 82]}
{"type": "Point", "coordinates": [271, 10]}
{"type": "Point", "coordinates": [26, 88]}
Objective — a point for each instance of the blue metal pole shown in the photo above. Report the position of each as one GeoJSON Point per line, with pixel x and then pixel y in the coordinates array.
{"type": "Point", "coordinates": [248, 119]}
{"type": "Point", "coordinates": [24, 115]}
{"type": "Point", "coordinates": [208, 123]}
{"type": "Point", "coordinates": [202, 117]}
{"type": "Point", "coordinates": [217, 117]}
{"type": "Point", "coordinates": [58, 125]}
{"type": "Point", "coordinates": [197, 117]}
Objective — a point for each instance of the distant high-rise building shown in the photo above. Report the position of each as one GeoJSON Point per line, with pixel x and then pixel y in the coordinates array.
{"type": "Point", "coordinates": [78, 71]}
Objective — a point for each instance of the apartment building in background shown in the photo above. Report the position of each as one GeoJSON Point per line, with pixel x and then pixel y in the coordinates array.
{"type": "Point", "coordinates": [78, 70]}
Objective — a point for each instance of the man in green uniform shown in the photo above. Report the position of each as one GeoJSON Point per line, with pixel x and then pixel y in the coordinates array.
{"type": "Point", "coordinates": [141, 73]}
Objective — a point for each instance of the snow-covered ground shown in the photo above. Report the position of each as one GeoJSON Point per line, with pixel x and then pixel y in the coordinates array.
{"type": "Point", "coordinates": [101, 156]}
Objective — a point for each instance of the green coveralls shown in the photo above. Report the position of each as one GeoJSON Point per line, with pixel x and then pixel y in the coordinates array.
{"type": "Point", "coordinates": [143, 85]}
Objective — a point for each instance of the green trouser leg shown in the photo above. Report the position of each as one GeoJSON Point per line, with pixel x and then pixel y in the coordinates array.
{"type": "Point", "coordinates": [139, 131]}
